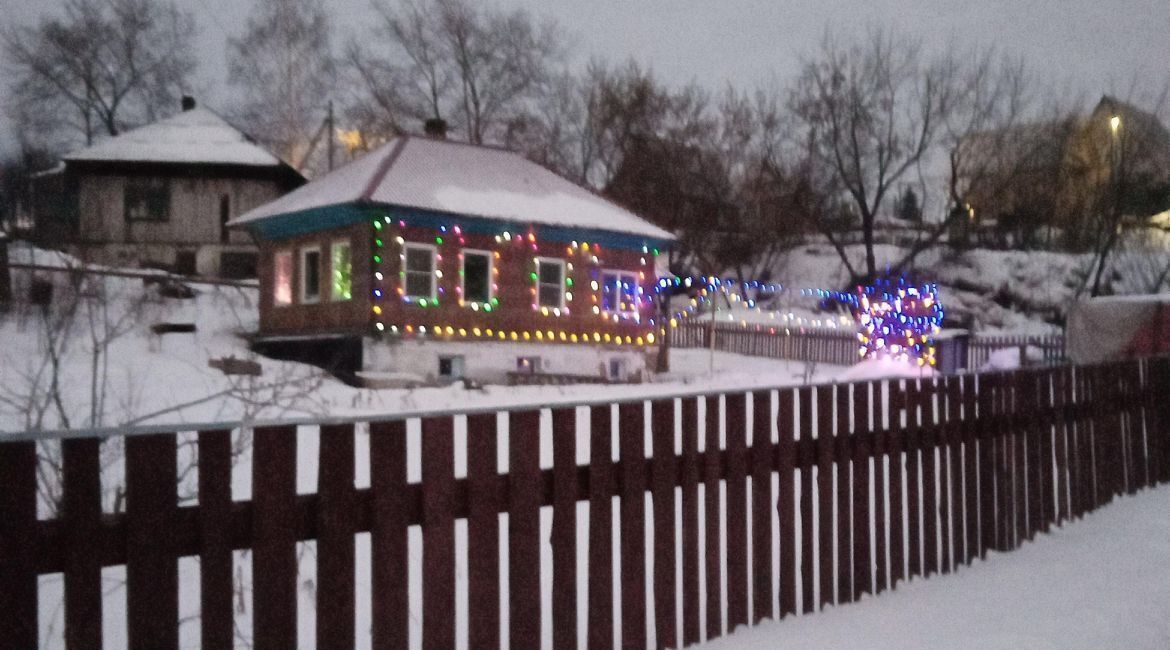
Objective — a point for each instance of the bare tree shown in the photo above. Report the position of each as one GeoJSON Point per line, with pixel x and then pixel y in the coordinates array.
{"type": "Point", "coordinates": [102, 66]}
{"type": "Point", "coordinates": [870, 112]}
{"type": "Point", "coordinates": [479, 69]}
{"type": "Point", "coordinates": [283, 68]}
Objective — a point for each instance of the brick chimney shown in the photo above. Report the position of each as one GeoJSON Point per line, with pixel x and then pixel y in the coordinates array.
{"type": "Point", "coordinates": [436, 128]}
{"type": "Point", "coordinates": [188, 102]}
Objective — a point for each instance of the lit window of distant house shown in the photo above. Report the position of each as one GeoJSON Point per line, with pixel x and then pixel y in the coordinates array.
{"type": "Point", "coordinates": [310, 275]}
{"type": "Point", "coordinates": [342, 271]}
{"type": "Point", "coordinates": [282, 272]}
{"type": "Point", "coordinates": [146, 199]}
{"type": "Point", "coordinates": [550, 283]}
{"type": "Point", "coordinates": [619, 292]}
{"type": "Point", "coordinates": [477, 276]}
{"type": "Point", "coordinates": [419, 266]}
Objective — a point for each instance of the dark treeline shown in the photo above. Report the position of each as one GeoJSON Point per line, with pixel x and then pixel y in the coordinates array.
{"type": "Point", "coordinates": [874, 131]}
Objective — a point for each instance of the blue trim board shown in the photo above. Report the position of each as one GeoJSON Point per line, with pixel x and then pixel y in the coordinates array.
{"type": "Point", "coordinates": [340, 215]}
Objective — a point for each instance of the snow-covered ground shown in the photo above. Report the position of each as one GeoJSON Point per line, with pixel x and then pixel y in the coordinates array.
{"type": "Point", "coordinates": [1103, 582]}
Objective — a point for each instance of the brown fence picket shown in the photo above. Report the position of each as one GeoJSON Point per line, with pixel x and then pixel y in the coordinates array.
{"type": "Point", "coordinates": [483, 532]}
{"type": "Point", "coordinates": [713, 514]}
{"type": "Point", "coordinates": [985, 393]}
{"type": "Point", "coordinates": [862, 438]}
{"type": "Point", "coordinates": [663, 472]}
{"type": "Point", "coordinates": [632, 441]}
{"type": "Point", "coordinates": [438, 532]}
{"type": "Point", "coordinates": [152, 579]}
{"type": "Point", "coordinates": [524, 495]}
{"type": "Point", "coordinates": [761, 470]}
{"type": "Point", "coordinates": [972, 542]}
{"type": "Point", "coordinates": [897, 470]}
{"type": "Point", "coordinates": [929, 444]}
{"type": "Point", "coordinates": [824, 473]}
{"type": "Point", "coordinates": [843, 452]}
{"type": "Point", "coordinates": [274, 559]}
{"type": "Point", "coordinates": [786, 501]}
{"type": "Point", "coordinates": [18, 519]}
{"type": "Point", "coordinates": [805, 463]}
{"type": "Point", "coordinates": [335, 537]}
{"type": "Point", "coordinates": [954, 462]}
{"type": "Point", "coordinates": [600, 626]}
{"type": "Point", "coordinates": [690, 520]}
{"type": "Point", "coordinates": [564, 528]}
{"type": "Point", "coordinates": [880, 439]}
{"type": "Point", "coordinates": [388, 538]}
{"type": "Point", "coordinates": [215, 552]}
{"type": "Point", "coordinates": [735, 418]}
{"type": "Point", "coordinates": [913, 433]}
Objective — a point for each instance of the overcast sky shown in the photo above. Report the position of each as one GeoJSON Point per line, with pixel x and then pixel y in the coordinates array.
{"type": "Point", "coordinates": [1086, 46]}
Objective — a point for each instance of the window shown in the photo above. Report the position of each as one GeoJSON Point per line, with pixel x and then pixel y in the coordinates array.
{"type": "Point", "coordinates": [342, 268]}
{"type": "Point", "coordinates": [282, 270]}
{"type": "Point", "coordinates": [550, 283]}
{"type": "Point", "coordinates": [619, 292]}
{"type": "Point", "coordinates": [310, 275]}
{"type": "Point", "coordinates": [419, 266]}
{"type": "Point", "coordinates": [146, 199]}
{"type": "Point", "coordinates": [477, 276]}
{"type": "Point", "coordinates": [225, 214]}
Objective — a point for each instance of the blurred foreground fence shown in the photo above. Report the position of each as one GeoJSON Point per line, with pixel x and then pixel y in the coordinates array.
{"type": "Point", "coordinates": [788, 500]}
{"type": "Point", "coordinates": [839, 347]}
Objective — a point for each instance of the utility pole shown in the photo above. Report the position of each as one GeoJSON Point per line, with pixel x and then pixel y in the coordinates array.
{"type": "Point", "coordinates": [330, 126]}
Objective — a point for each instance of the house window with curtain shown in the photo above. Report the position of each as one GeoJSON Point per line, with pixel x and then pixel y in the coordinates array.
{"type": "Point", "coordinates": [282, 272]}
{"type": "Point", "coordinates": [342, 268]}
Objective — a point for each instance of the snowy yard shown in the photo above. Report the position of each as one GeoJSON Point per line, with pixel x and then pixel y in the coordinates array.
{"type": "Point", "coordinates": [1103, 582]}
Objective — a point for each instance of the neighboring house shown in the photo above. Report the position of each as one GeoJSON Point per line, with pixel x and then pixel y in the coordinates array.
{"type": "Point", "coordinates": [1064, 173]}
{"type": "Point", "coordinates": [162, 195]}
{"type": "Point", "coordinates": [426, 240]}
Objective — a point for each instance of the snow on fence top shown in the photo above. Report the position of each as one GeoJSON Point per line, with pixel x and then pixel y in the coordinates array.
{"type": "Point", "coordinates": [195, 136]}
{"type": "Point", "coordinates": [465, 179]}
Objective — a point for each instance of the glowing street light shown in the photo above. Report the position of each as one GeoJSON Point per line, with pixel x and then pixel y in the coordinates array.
{"type": "Point", "coordinates": [1115, 123]}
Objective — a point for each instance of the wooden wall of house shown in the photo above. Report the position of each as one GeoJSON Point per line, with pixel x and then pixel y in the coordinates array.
{"type": "Point", "coordinates": [514, 313]}
{"type": "Point", "coordinates": [194, 215]}
{"type": "Point", "coordinates": [328, 315]}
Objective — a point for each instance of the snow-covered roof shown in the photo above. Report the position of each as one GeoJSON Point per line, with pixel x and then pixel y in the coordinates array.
{"type": "Point", "coordinates": [193, 136]}
{"type": "Point", "coordinates": [459, 178]}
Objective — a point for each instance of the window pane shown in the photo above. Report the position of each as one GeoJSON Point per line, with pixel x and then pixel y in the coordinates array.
{"type": "Point", "coordinates": [312, 274]}
{"type": "Point", "coordinates": [550, 295]}
{"type": "Point", "coordinates": [619, 292]}
{"type": "Point", "coordinates": [418, 284]}
{"type": "Point", "coordinates": [342, 272]}
{"type": "Point", "coordinates": [282, 269]}
{"type": "Point", "coordinates": [419, 259]}
{"type": "Point", "coordinates": [476, 277]}
{"type": "Point", "coordinates": [146, 199]}
{"type": "Point", "coordinates": [550, 273]}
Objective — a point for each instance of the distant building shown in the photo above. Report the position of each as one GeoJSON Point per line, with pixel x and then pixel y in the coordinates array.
{"type": "Point", "coordinates": [1062, 174]}
{"type": "Point", "coordinates": [426, 240]}
{"type": "Point", "coordinates": [162, 195]}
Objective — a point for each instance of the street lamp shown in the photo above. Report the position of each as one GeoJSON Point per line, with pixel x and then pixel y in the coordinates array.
{"type": "Point", "coordinates": [1115, 123]}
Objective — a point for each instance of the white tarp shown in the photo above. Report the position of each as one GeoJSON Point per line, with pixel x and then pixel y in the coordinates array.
{"type": "Point", "coordinates": [1118, 327]}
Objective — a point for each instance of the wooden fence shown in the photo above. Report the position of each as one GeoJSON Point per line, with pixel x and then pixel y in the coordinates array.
{"type": "Point", "coordinates": [959, 466]}
{"type": "Point", "coordinates": [839, 347]}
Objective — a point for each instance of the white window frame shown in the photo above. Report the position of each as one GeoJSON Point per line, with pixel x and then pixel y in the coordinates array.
{"type": "Point", "coordinates": [406, 271]}
{"type": "Point", "coordinates": [491, 267]}
{"type": "Point", "coordinates": [305, 298]}
{"type": "Point", "coordinates": [540, 261]}
{"type": "Point", "coordinates": [333, 246]}
{"type": "Point", "coordinates": [620, 273]}
{"type": "Point", "coordinates": [276, 278]}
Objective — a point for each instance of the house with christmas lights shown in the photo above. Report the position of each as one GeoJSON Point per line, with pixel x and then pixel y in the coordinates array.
{"type": "Point", "coordinates": [444, 260]}
{"type": "Point", "coordinates": [161, 195]}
